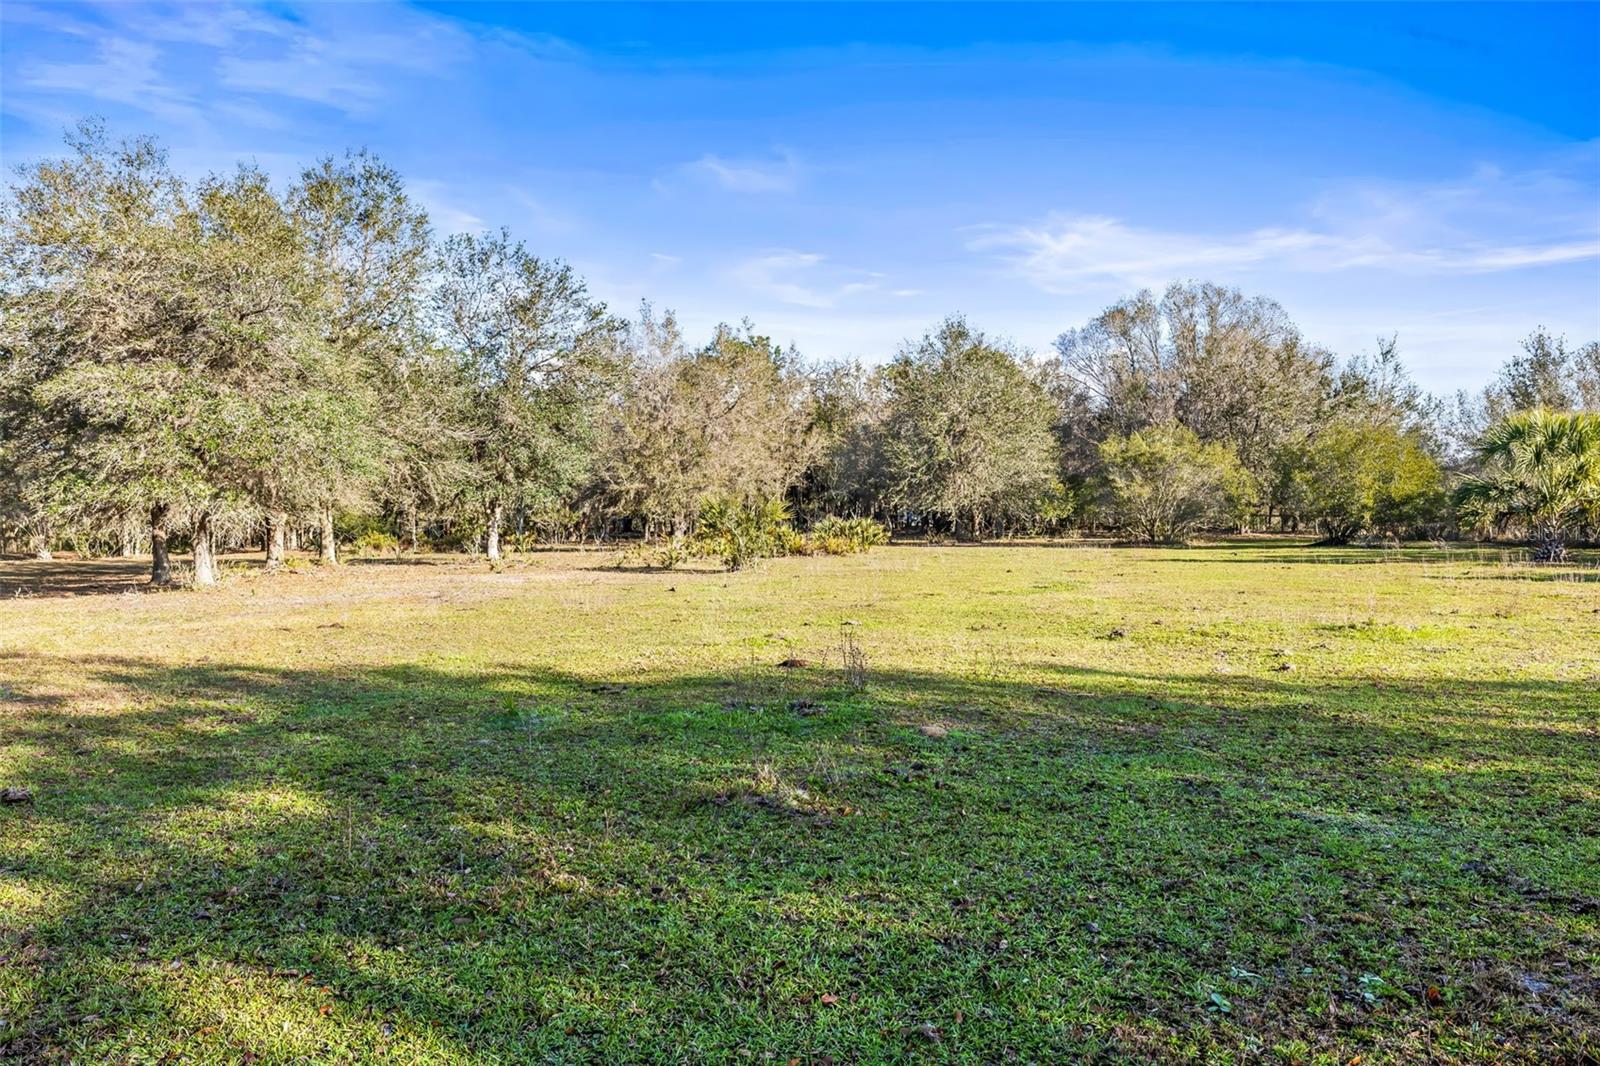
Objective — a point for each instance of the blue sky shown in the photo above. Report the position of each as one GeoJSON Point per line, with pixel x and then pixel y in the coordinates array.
{"type": "Point", "coordinates": [846, 175]}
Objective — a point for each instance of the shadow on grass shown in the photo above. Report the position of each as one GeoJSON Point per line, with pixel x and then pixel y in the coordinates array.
{"type": "Point", "coordinates": [52, 578]}
{"type": "Point", "coordinates": [530, 864]}
{"type": "Point", "coordinates": [30, 578]}
{"type": "Point", "coordinates": [71, 577]}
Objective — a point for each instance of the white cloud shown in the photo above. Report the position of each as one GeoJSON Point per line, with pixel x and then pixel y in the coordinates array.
{"type": "Point", "coordinates": [800, 278]}
{"type": "Point", "coordinates": [48, 17]}
{"type": "Point", "coordinates": [1486, 224]}
{"type": "Point", "coordinates": [349, 72]}
{"type": "Point", "coordinates": [185, 64]}
{"type": "Point", "coordinates": [541, 215]}
{"type": "Point", "coordinates": [749, 175]}
{"type": "Point", "coordinates": [445, 216]}
{"type": "Point", "coordinates": [123, 71]}
{"type": "Point", "coordinates": [217, 25]}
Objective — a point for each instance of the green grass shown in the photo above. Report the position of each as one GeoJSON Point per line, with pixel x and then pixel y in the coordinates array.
{"type": "Point", "coordinates": [1249, 800]}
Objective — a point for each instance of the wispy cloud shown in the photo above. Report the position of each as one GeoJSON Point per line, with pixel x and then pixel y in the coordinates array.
{"type": "Point", "coordinates": [446, 217]}
{"type": "Point", "coordinates": [540, 214]}
{"type": "Point", "coordinates": [1487, 223]}
{"type": "Point", "coordinates": [218, 25]}
{"type": "Point", "coordinates": [349, 73]}
{"type": "Point", "coordinates": [749, 175]}
{"type": "Point", "coordinates": [804, 279]}
{"type": "Point", "coordinates": [121, 71]}
{"type": "Point", "coordinates": [184, 64]}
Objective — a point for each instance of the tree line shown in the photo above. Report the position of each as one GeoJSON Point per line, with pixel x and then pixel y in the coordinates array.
{"type": "Point", "coordinates": [223, 362]}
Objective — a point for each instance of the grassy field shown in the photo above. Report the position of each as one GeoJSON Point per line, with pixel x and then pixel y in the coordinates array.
{"type": "Point", "coordinates": [1025, 803]}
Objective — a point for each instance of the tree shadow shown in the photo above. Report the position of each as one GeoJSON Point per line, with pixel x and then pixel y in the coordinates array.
{"type": "Point", "coordinates": [533, 864]}
{"type": "Point", "coordinates": [27, 578]}
{"type": "Point", "coordinates": [68, 577]}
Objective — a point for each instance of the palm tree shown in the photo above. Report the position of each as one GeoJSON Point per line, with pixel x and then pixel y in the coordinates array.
{"type": "Point", "coordinates": [1541, 468]}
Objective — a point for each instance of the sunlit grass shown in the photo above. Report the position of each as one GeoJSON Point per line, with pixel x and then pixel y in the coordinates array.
{"type": "Point", "coordinates": [1248, 799]}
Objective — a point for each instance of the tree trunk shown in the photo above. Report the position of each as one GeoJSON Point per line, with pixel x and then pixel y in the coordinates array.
{"type": "Point", "coordinates": [130, 538]}
{"type": "Point", "coordinates": [276, 520]}
{"type": "Point", "coordinates": [327, 540]}
{"type": "Point", "coordinates": [160, 561]}
{"type": "Point", "coordinates": [492, 536]}
{"type": "Point", "coordinates": [205, 562]}
{"type": "Point", "coordinates": [41, 546]}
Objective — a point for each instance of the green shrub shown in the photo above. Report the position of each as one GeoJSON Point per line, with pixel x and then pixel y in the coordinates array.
{"type": "Point", "coordinates": [845, 536]}
{"type": "Point", "coordinates": [1164, 483]}
{"type": "Point", "coordinates": [376, 542]}
{"type": "Point", "coordinates": [738, 534]}
{"type": "Point", "coordinates": [1054, 509]}
{"type": "Point", "coordinates": [350, 527]}
{"type": "Point", "coordinates": [1369, 478]}
{"type": "Point", "coordinates": [833, 545]}
{"type": "Point", "coordinates": [669, 556]}
{"type": "Point", "coordinates": [1540, 469]}
{"type": "Point", "coordinates": [789, 541]}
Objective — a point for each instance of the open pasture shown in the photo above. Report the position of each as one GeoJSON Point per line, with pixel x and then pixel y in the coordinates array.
{"type": "Point", "coordinates": [1007, 803]}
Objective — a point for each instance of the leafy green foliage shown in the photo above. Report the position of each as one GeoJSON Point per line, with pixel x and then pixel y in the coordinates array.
{"type": "Point", "coordinates": [1233, 368]}
{"type": "Point", "coordinates": [1164, 483]}
{"type": "Point", "coordinates": [376, 542]}
{"type": "Point", "coordinates": [176, 340]}
{"type": "Point", "coordinates": [536, 354]}
{"type": "Point", "coordinates": [968, 435]}
{"type": "Point", "coordinates": [846, 536]}
{"type": "Point", "coordinates": [221, 360]}
{"type": "Point", "coordinates": [1057, 507]}
{"type": "Point", "coordinates": [730, 420]}
{"type": "Point", "coordinates": [1540, 468]}
{"type": "Point", "coordinates": [738, 534]}
{"type": "Point", "coordinates": [1360, 477]}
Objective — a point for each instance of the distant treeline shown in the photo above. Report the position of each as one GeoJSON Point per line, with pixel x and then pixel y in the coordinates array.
{"type": "Point", "coordinates": [224, 363]}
